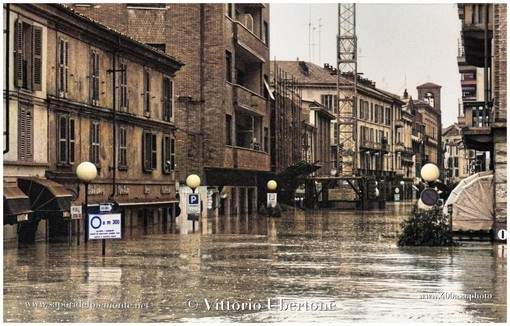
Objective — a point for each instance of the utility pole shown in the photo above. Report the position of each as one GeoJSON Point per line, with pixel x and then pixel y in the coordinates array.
{"type": "Point", "coordinates": [347, 79]}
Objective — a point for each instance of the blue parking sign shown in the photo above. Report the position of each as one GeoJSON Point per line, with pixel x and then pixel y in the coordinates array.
{"type": "Point", "coordinates": [193, 204]}
{"type": "Point", "coordinates": [193, 199]}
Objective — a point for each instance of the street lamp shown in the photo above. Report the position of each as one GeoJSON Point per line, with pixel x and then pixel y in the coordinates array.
{"type": "Point", "coordinates": [430, 172]}
{"type": "Point", "coordinates": [402, 183]}
{"type": "Point", "coordinates": [193, 181]}
{"type": "Point", "coordinates": [86, 172]}
{"type": "Point", "coordinates": [271, 185]}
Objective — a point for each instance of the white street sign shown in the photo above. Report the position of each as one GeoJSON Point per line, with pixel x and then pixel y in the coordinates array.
{"type": "Point", "coordinates": [105, 226]}
{"type": "Point", "coordinates": [76, 213]}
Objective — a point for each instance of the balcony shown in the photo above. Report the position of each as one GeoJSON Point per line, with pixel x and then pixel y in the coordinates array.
{"type": "Point", "coordinates": [399, 123]}
{"type": "Point", "coordinates": [473, 31]}
{"type": "Point", "coordinates": [249, 43]}
{"type": "Point", "coordinates": [399, 147]}
{"type": "Point", "coordinates": [369, 145]}
{"type": "Point", "coordinates": [477, 132]}
{"type": "Point", "coordinates": [246, 159]}
{"type": "Point", "coordinates": [249, 100]}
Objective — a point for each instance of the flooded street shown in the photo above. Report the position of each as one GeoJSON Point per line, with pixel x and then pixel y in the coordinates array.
{"type": "Point", "coordinates": [320, 266]}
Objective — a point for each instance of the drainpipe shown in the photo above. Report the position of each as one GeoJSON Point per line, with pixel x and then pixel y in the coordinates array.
{"type": "Point", "coordinates": [114, 104]}
{"type": "Point", "coordinates": [8, 79]}
{"type": "Point", "coordinates": [485, 115]}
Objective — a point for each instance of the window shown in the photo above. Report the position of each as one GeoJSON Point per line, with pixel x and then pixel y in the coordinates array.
{"type": "Point", "coordinates": [168, 154]}
{"type": "Point", "coordinates": [94, 142]}
{"type": "Point", "coordinates": [167, 99]}
{"type": "Point", "coordinates": [330, 102]}
{"type": "Point", "coordinates": [228, 62]}
{"type": "Point", "coordinates": [26, 137]}
{"type": "Point", "coordinates": [228, 126]}
{"type": "Point", "coordinates": [28, 56]}
{"type": "Point", "coordinates": [361, 109]}
{"type": "Point", "coordinates": [66, 139]}
{"type": "Point", "coordinates": [149, 156]}
{"type": "Point", "coordinates": [265, 33]}
{"type": "Point", "coordinates": [63, 67]}
{"type": "Point", "coordinates": [335, 133]}
{"type": "Point", "coordinates": [122, 148]}
{"type": "Point", "coordinates": [94, 77]}
{"type": "Point", "coordinates": [147, 92]}
{"type": "Point", "coordinates": [266, 140]}
{"type": "Point", "coordinates": [123, 89]}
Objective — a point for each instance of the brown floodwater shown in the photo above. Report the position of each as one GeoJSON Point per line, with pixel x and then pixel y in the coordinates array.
{"type": "Point", "coordinates": [307, 266]}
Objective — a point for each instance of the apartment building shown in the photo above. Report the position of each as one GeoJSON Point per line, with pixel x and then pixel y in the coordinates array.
{"type": "Point", "coordinates": [484, 42]}
{"type": "Point", "coordinates": [80, 91]}
{"type": "Point", "coordinates": [222, 114]}
{"type": "Point", "coordinates": [458, 161]}
{"type": "Point", "coordinates": [377, 154]}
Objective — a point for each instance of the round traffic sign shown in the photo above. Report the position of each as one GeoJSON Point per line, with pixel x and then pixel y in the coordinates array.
{"type": "Point", "coordinates": [429, 196]}
{"type": "Point", "coordinates": [95, 222]}
{"type": "Point", "coordinates": [502, 234]}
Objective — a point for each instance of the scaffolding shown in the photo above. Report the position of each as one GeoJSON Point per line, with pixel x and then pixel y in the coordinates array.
{"type": "Point", "coordinates": [347, 73]}
{"type": "Point", "coordinates": [286, 116]}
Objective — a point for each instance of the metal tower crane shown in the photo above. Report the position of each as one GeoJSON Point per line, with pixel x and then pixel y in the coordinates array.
{"type": "Point", "coordinates": [347, 90]}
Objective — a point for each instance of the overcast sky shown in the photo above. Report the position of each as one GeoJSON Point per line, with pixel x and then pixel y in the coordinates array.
{"type": "Point", "coordinates": [399, 45]}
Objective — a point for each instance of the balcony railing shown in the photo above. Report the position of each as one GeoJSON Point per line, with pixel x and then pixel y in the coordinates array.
{"type": "Point", "coordinates": [376, 146]}
{"type": "Point", "coordinates": [249, 100]}
{"type": "Point", "coordinates": [246, 159]}
{"type": "Point", "coordinates": [250, 42]}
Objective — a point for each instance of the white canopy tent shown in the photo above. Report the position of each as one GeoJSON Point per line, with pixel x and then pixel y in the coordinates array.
{"type": "Point", "coordinates": [473, 203]}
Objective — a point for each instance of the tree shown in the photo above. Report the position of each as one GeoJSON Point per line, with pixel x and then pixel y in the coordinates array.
{"type": "Point", "coordinates": [426, 228]}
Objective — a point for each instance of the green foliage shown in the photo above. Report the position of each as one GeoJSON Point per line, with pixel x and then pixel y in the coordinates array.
{"type": "Point", "coordinates": [426, 228]}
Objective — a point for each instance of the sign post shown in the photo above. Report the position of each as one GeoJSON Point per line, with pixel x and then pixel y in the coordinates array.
{"type": "Point", "coordinates": [104, 225]}
{"type": "Point", "coordinates": [193, 208]}
{"type": "Point", "coordinates": [76, 214]}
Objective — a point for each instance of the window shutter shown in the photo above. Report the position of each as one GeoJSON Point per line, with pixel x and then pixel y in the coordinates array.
{"type": "Point", "coordinates": [66, 65]}
{"type": "Point", "coordinates": [71, 141]}
{"type": "Point", "coordinates": [22, 136]}
{"type": "Point", "coordinates": [25, 134]}
{"type": "Point", "coordinates": [37, 59]}
{"type": "Point", "coordinates": [62, 138]}
{"type": "Point", "coordinates": [18, 54]}
{"type": "Point", "coordinates": [154, 158]}
{"type": "Point", "coordinates": [172, 154]}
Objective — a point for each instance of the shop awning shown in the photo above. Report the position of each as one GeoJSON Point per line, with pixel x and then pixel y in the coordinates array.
{"type": "Point", "coordinates": [46, 197]}
{"type": "Point", "coordinates": [16, 203]}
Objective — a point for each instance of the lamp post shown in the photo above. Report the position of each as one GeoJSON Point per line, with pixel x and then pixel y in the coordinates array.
{"type": "Point", "coordinates": [272, 200]}
{"type": "Point", "coordinates": [402, 183]}
{"type": "Point", "coordinates": [86, 172]}
{"type": "Point", "coordinates": [193, 200]}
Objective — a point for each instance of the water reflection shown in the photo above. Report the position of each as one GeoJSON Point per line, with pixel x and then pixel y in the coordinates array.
{"type": "Point", "coordinates": [305, 259]}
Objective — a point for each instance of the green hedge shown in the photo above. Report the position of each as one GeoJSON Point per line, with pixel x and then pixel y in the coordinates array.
{"type": "Point", "coordinates": [426, 228]}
